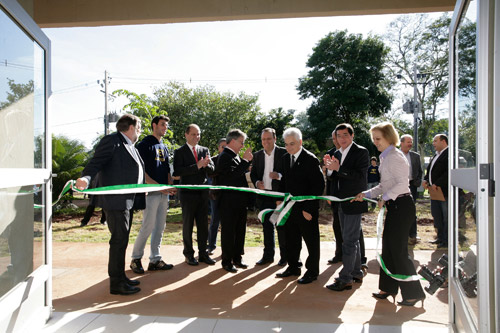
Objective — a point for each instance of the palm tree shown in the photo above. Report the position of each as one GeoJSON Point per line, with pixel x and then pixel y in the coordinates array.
{"type": "Point", "coordinates": [68, 158]}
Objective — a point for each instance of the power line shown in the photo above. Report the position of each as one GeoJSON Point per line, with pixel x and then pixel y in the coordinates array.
{"type": "Point", "coordinates": [78, 87]}
{"type": "Point", "coordinates": [77, 122]}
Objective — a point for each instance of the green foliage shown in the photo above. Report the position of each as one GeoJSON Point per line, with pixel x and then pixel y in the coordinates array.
{"type": "Point", "coordinates": [278, 119]}
{"type": "Point", "coordinates": [214, 112]}
{"type": "Point", "coordinates": [68, 157]}
{"type": "Point", "coordinates": [346, 80]}
{"type": "Point", "coordinates": [17, 92]}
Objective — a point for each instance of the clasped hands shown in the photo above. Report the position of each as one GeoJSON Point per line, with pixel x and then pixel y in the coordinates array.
{"type": "Point", "coordinates": [331, 163]}
{"type": "Point", "coordinates": [272, 175]}
{"type": "Point", "coordinates": [203, 162]}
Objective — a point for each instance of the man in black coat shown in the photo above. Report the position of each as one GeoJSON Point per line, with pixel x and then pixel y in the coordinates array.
{"type": "Point", "coordinates": [348, 169]}
{"type": "Point", "coordinates": [231, 170]}
{"type": "Point", "coordinates": [414, 178]}
{"type": "Point", "coordinates": [302, 175]}
{"type": "Point", "coordinates": [192, 163]}
{"type": "Point", "coordinates": [437, 176]}
{"type": "Point", "coordinates": [119, 163]}
{"type": "Point", "coordinates": [266, 175]}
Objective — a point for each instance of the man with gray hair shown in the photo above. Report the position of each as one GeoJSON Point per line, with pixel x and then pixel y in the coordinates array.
{"type": "Point", "coordinates": [231, 170]}
{"type": "Point", "coordinates": [302, 175]}
{"type": "Point", "coordinates": [414, 177]}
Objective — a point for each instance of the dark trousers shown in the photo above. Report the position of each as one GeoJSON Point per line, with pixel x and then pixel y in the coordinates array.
{"type": "Point", "coordinates": [439, 211]}
{"type": "Point", "coordinates": [413, 228]}
{"type": "Point", "coordinates": [400, 213]}
{"type": "Point", "coordinates": [298, 228]}
{"type": "Point", "coordinates": [194, 205]}
{"type": "Point", "coordinates": [88, 214]}
{"type": "Point", "coordinates": [337, 231]}
{"type": "Point", "coordinates": [233, 216]}
{"type": "Point", "coordinates": [214, 224]}
{"type": "Point", "coordinates": [268, 229]}
{"type": "Point", "coordinates": [351, 252]}
{"type": "Point", "coordinates": [119, 226]}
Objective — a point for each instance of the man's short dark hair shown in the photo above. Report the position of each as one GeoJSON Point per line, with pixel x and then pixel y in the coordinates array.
{"type": "Point", "coordinates": [344, 126]}
{"type": "Point", "coordinates": [157, 119]}
{"type": "Point", "coordinates": [235, 134]}
{"type": "Point", "coordinates": [269, 130]}
{"type": "Point", "coordinates": [123, 124]}
{"type": "Point", "coordinates": [188, 128]}
{"type": "Point", "coordinates": [443, 137]}
{"type": "Point", "coordinates": [221, 140]}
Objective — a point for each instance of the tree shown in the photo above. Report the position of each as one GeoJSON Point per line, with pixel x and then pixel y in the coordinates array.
{"type": "Point", "coordinates": [417, 43]}
{"type": "Point", "coordinates": [278, 119]}
{"type": "Point", "coordinates": [17, 92]}
{"type": "Point", "coordinates": [346, 80]}
{"type": "Point", "coordinates": [215, 112]}
{"type": "Point", "coordinates": [68, 157]}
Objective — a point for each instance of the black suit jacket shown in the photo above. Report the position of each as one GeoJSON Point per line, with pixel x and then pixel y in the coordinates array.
{"type": "Point", "coordinates": [185, 165]}
{"type": "Point", "coordinates": [117, 166]}
{"type": "Point", "coordinates": [258, 165]}
{"type": "Point", "coordinates": [231, 169]}
{"type": "Point", "coordinates": [416, 169]}
{"type": "Point", "coordinates": [304, 178]}
{"type": "Point", "coordinates": [351, 178]}
{"type": "Point", "coordinates": [439, 172]}
{"type": "Point", "coordinates": [331, 152]}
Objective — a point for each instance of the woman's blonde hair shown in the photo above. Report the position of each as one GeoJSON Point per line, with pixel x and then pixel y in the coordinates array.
{"type": "Point", "coordinates": [388, 132]}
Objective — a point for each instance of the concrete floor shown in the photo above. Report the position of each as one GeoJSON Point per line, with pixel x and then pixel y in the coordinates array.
{"type": "Point", "coordinates": [208, 299]}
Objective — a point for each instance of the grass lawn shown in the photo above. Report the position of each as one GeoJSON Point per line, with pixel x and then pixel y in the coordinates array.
{"type": "Point", "coordinates": [66, 226]}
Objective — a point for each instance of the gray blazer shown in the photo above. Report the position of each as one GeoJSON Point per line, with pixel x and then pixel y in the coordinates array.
{"type": "Point", "coordinates": [416, 169]}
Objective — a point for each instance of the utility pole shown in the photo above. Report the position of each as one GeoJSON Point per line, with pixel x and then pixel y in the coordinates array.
{"type": "Point", "coordinates": [105, 91]}
{"type": "Point", "coordinates": [416, 108]}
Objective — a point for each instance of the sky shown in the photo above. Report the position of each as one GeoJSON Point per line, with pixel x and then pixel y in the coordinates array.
{"type": "Point", "coordinates": [264, 57]}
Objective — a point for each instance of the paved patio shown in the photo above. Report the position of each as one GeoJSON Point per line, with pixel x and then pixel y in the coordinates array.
{"type": "Point", "coordinates": [186, 297]}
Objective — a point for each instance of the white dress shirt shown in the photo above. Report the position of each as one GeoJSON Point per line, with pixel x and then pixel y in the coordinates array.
{"type": "Point", "coordinates": [393, 175]}
{"type": "Point", "coordinates": [268, 168]}
{"type": "Point", "coordinates": [131, 149]}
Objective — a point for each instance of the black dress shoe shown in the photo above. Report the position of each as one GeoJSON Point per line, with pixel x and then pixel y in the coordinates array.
{"type": "Point", "coordinates": [240, 264]}
{"type": "Point", "coordinates": [136, 266]}
{"type": "Point", "coordinates": [335, 260]}
{"type": "Point", "coordinates": [264, 261]}
{"type": "Point", "coordinates": [230, 268]}
{"type": "Point", "coordinates": [412, 302]}
{"type": "Point", "coordinates": [123, 288]}
{"type": "Point", "coordinates": [357, 280]}
{"type": "Point", "coordinates": [339, 286]}
{"type": "Point", "coordinates": [207, 260]}
{"type": "Point", "coordinates": [307, 279]}
{"type": "Point", "coordinates": [191, 260]}
{"type": "Point", "coordinates": [381, 295]}
{"type": "Point", "coordinates": [132, 282]}
{"type": "Point", "coordinates": [289, 272]}
{"type": "Point", "coordinates": [282, 262]}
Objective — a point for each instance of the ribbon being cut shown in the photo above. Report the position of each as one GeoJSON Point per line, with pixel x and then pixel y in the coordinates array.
{"type": "Point", "coordinates": [278, 215]}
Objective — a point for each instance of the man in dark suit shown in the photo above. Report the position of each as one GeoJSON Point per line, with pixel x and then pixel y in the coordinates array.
{"type": "Point", "coordinates": [119, 163]}
{"type": "Point", "coordinates": [266, 175]}
{"type": "Point", "coordinates": [231, 170]}
{"type": "Point", "coordinates": [302, 175]}
{"type": "Point", "coordinates": [414, 177]}
{"type": "Point", "coordinates": [349, 168]}
{"type": "Point", "coordinates": [214, 202]}
{"type": "Point", "coordinates": [437, 176]}
{"type": "Point", "coordinates": [191, 163]}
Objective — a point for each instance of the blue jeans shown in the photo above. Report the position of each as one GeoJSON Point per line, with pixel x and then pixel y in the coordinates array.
{"type": "Point", "coordinates": [153, 223]}
{"type": "Point", "coordinates": [439, 211]}
{"type": "Point", "coordinates": [351, 255]}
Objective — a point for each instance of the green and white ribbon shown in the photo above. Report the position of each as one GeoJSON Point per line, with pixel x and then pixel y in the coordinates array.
{"type": "Point", "coordinates": [398, 277]}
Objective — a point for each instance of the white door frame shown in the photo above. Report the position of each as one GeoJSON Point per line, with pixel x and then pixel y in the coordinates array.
{"type": "Point", "coordinates": [39, 282]}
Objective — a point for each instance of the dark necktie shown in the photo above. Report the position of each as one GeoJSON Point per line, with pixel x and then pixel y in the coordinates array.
{"type": "Point", "coordinates": [293, 161]}
{"type": "Point", "coordinates": [195, 155]}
